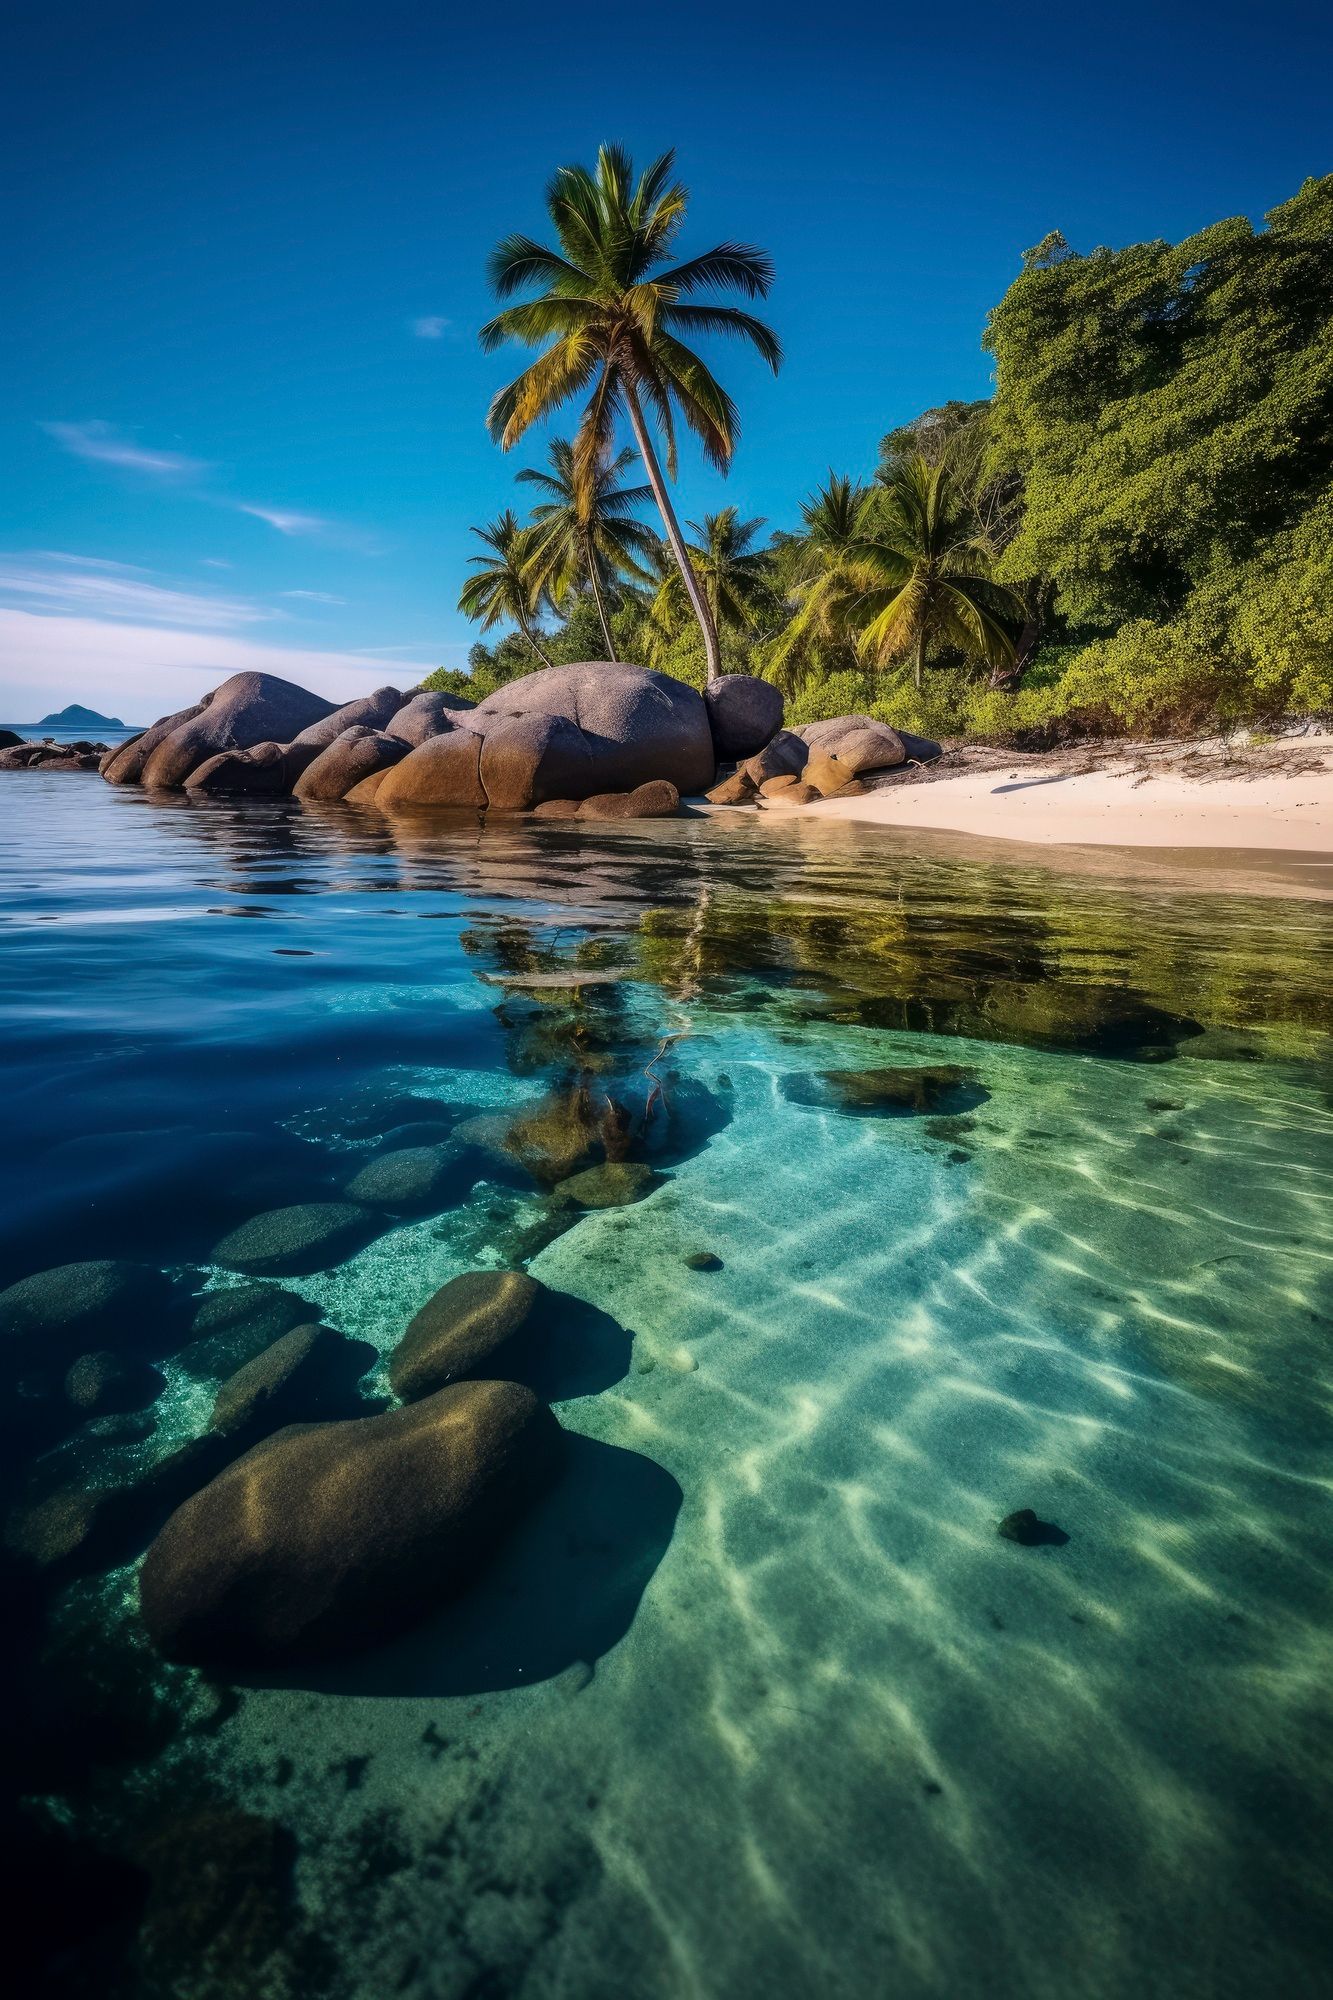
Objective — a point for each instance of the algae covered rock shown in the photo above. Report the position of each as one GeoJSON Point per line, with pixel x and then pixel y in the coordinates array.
{"type": "Point", "coordinates": [231, 1326]}
{"type": "Point", "coordinates": [106, 1384]}
{"type": "Point", "coordinates": [312, 1236]}
{"type": "Point", "coordinates": [610, 1185]}
{"type": "Point", "coordinates": [330, 1537]}
{"type": "Point", "coordinates": [407, 1180]}
{"type": "Point", "coordinates": [468, 1328]}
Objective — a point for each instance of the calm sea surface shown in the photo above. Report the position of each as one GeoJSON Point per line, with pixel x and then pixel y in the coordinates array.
{"type": "Point", "coordinates": [758, 1701]}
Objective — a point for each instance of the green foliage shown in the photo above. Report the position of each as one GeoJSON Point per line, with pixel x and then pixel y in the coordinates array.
{"type": "Point", "coordinates": [1169, 409]}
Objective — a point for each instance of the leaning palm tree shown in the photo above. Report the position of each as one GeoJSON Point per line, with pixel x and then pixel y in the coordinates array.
{"type": "Point", "coordinates": [928, 576]}
{"type": "Point", "coordinates": [735, 577]}
{"type": "Point", "coordinates": [585, 529]}
{"type": "Point", "coordinates": [503, 589]}
{"type": "Point", "coordinates": [828, 575]}
{"type": "Point", "coordinates": [614, 325]}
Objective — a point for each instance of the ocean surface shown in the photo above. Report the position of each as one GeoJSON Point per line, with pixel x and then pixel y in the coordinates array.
{"type": "Point", "coordinates": [758, 1700]}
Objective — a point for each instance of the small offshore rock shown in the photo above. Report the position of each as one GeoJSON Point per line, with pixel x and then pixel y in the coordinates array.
{"type": "Point", "coordinates": [464, 1330]}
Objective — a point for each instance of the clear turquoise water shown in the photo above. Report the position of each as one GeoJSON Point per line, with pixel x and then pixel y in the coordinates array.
{"type": "Point", "coordinates": [758, 1701]}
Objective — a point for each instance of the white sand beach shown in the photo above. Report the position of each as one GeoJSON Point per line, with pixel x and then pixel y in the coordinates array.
{"type": "Point", "coordinates": [1201, 795]}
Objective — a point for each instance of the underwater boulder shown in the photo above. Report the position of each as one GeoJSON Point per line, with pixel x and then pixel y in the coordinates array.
{"type": "Point", "coordinates": [288, 1242]}
{"type": "Point", "coordinates": [106, 1384]}
{"type": "Point", "coordinates": [908, 1091]}
{"type": "Point", "coordinates": [611, 1185]}
{"type": "Point", "coordinates": [466, 1329]}
{"type": "Point", "coordinates": [308, 1373]}
{"type": "Point", "coordinates": [328, 1538]}
{"type": "Point", "coordinates": [50, 1318]}
{"type": "Point", "coordinates": [744, 714]}
{"type": "Point", "coordinates": [406, 1181]}
{"type": "Point", "coordinates": [231, 1326]}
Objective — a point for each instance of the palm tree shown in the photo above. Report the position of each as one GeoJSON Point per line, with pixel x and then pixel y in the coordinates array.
{"type": "Point", "coordinates": [828, 575]}
{"type": "Point", "coordinates": [735, 577]}
{"type": "Point", "coordinates": [585, 528]}
{"type": "Point", "coordinates": [928, 575]}
{"type": "Point", "coordinates": [610, 320]}
{"type": "Point", "coordinates": [504, 588]}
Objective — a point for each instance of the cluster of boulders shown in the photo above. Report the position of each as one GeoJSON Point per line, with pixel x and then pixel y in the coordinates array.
{"type": "Point", "coordinates": [597, 740]}
{"type": "Point", "coordinates": [19, 753]}
{"type": "Point", "coordinates": [823, 760]}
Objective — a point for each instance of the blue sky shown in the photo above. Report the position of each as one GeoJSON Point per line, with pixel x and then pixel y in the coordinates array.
{"type": "Point", "coordinates": [241, 399]}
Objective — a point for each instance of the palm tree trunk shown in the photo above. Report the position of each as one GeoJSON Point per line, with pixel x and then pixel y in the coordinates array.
{"type": "Point", "coordinates": [526, 630]}
{"type": "Point", "coordinates": [590, 559]}
{"type": "Point", "coordinates": [698, 602]}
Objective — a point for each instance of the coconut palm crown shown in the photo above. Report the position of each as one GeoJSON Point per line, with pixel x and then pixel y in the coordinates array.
{"type": "Point", "coordinates": [614, 319]}
{"type": "Point", "coordinates": [928, 575]}
{"type": "Point", "coordinates": [504, 588]}
{"type": "Point", "coordinates": [585, 530]}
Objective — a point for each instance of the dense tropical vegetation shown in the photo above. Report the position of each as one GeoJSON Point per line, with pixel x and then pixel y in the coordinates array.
{"type": "Point", "coordinates": [1134, 533]}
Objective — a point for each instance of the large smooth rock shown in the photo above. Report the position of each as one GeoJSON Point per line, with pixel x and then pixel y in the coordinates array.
{"type": "Point", "coordinates": [785, 757]}
{"type": "Point", "coordinates": [368, 711]}
{"type": "Point", "coordinates": [358, 753]}
{"type": "Point", "coordinates": [745, 713]}
{"type": "Point", "coordinates": [366, 792]}
{"type": "Point", "coordinates": [107, 1384]}
{"type": "Point", "coordinates": [464, 1330]}
{"type": "Point", "coordinates": [444, 770]}
{"type": "Point", "coordinates": [611, 1185]}
{"type": "Point", "coordinates": [10, 739]}
{"type": "Point", "coordinates": [52, 1317]}
{"type": "Point", "coordinates": [428, 713]}
{"type": "Point", "coordinates": [264, 772]}
{"type": "Point", "coordinates": [638, 725]}
{"type": "Point", "coordinates": [330, 1537]}
{"type": "Point", "coordinates": [306, 1374]}
{"type": "Point", "coordinates": [124, 765]}
{"type": "Point", "coordinates": [249, 708]}
{"type": "Point", "coordinates": [310, 1236]}
{"type": "Point", "coordinates": [526, 759]}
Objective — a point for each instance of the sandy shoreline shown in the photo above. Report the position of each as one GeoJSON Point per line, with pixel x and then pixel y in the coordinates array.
{"type": "Point", "coordinates": [1277, 798]}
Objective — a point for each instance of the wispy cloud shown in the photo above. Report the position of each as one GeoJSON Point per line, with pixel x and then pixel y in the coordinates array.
{"type": "Point", "coordinates": [49, 582]}
{"type": "Point", "coordinates": [142, 671]}
{"type": "Point", "coordinates": [313, 596]}
{"type": "Point", "coordinates": [107, 446]}
{"type": "Point", "coordinates": [216, 562]}
{"type": "Point", "coordinates": [431, 326]}
{"type": "Point", "coordinates": [286, 522]}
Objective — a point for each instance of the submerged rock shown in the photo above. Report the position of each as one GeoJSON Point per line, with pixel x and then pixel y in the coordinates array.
{"type": "Point", "coordinates": [905, 1092]}
{"type": "Point", "coordinates": [312, 1236]}
{"type": "Point", "coordinates": [53, 1316]}
{"type": "Point", "coordinates": [409, 1179]}
{"type": "Point", "coordinates": [610, 1185]}
{"type": "Point", "coordinates": [330, 1537]}
{"type": "Point", "coordinates": [1024, 1527]}
{"type": "Point", "coordinates": [233, 1325]}
{"type": "Point", "coordinates": [309, 1373]}
{"type": "Point", "coordinates": [104, 1384]}
{"type": "Point", "coordinates": [703, 1260]}
{"type": "Point", "coordinates": [657, 799]}
{"type": "Point", "coordinates": [467, 1329]}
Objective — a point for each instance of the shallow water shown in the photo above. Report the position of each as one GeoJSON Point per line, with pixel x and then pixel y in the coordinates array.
{"type": "Point", "coordinates": [758, 1699]}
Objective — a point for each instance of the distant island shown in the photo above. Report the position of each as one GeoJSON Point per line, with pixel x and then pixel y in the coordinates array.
{"type": "Point", "coordinates": [75, 717]}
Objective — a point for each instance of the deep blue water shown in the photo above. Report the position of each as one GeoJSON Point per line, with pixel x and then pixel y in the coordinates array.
{"type": "Point", "coordinates": [758, 1699]}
